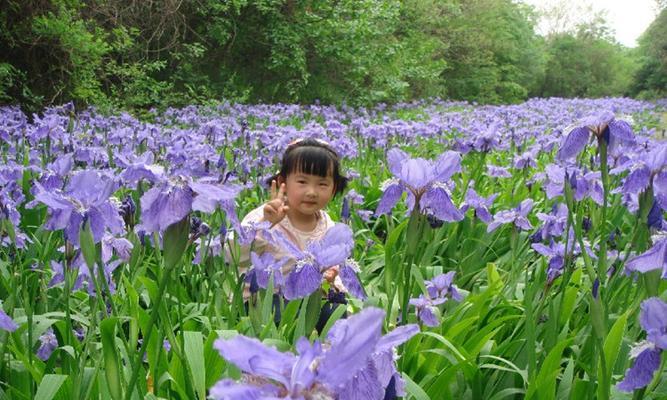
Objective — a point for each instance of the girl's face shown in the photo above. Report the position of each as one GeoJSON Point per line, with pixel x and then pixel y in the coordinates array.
{"type": "Point", "coordinates": [308, 194]}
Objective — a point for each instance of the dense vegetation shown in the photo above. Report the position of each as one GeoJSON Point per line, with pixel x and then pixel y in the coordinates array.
{"type": "Point", "coordinates": [523, 262]}
{"type": "Point", "coordinates": [142, 54]}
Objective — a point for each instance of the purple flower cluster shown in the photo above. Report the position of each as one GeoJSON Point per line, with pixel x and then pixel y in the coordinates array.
{"type": "Point", "coordinates": [603, 126]}
{"type": "Point", "coordinates": [438, 289]}
{"type": "Point", "coordinates": [6, 322]}
{"type": "Point", "coordinates": [517, 216]}
{"type": "Point", "coordinates": [86, 198]}
{"type": "Point", "coordinates": [355, 362]}
{"type": "Point", "coordinates": [425, 181]}
{"type": "Point", "coordinates": [653, 319]}
{"type": "Point", "coordinates": [334, 249]}
{"type": "Point", "coordinates": [479, 204]}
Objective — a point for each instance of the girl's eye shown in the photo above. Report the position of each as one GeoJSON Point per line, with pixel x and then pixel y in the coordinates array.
{"type": "Point", "coordinates": [324, 184]}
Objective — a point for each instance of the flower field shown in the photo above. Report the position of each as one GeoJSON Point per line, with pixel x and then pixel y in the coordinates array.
{"type": "Point", "coordinates": [488, 252]}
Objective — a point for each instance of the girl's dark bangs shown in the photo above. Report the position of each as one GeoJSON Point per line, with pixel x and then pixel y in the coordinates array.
{"type": "Point", "coordinates": [312, 161]}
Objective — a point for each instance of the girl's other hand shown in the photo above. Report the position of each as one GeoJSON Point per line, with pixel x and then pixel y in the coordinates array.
{"type": "Point", "coordinates": [276, 208]}
{"type": "Point", "coordinates": [331, 274]}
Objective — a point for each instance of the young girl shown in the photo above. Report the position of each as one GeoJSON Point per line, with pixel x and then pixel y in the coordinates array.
{"type": "Point", "coordinates": [308, 179]}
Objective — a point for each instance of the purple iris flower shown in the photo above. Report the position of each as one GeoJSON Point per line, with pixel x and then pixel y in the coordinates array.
{"type": "Point", "coordinates": [209, 247]}
{"type": "Point", "coordinates": [11, 198]}
{"type": "Point", "coordinates": [443, 286]}
{"type": "Point", "coordinates": [355, 198]}
{"type": "Point", "coordinates": [263, 267]}
{"type": "Point", "coordinates": [517, 216]}
{"type": "Point", "coordinates": [427, 310]}
{"type": "Point", "coordinates": [345, 210]}
{"type": "Point", "coordinates": [583, 184]}
{"type": "Point", "coordinates": [333, 249]}
{"type": "Point", "coordinates": [496, 171]}
{"type": "Point", "coordinates": [355, 359]}
{"type": "Point", "coordinates": [553, 224]}
{"type": "Point", "coordinates": [48, 343]}
{"type": "Point", "coordinates": [479, 204]}
{"type": "Point", "coordinates": [438, 290]}
{"type": "Point", "coordinates": [119, 246]}
{"type": "Point", "coordinates": [555, 252]}
{"type": "Point", "coordinates": [655, 219]}
{"type": "Point", "coordinates": [649, 171]}
{"type": "Point", "coordinates": [604, 126]}
{"type": "Point", "coordinates": [56, 172]}
{"type": "Point", "coordinates": [526, 159]}
{"type": "Point", "coordinates": [365, 215]}
{"type": "Point", "coordinates": [654, 258]}
{"type": "Point", "coordinates": [227, 389]}
{"type": "Point", "coordinates": [653, 319]}
{"type": "Point", "coordinates": [6, 322]}
{"type": "Point", "coordinates": [87, 197]}
{"type": "Point", "coordinates": [79, 333]}
{"type": "Point", "coordinates": [489, 139]}
{"type": "Point", "coordinates": [173, 199]}
{"type": "Point", "coordinates": [140, 167]}
{"type": "Point", "coordinates": [83, 277]}
{"type": "Point", "coordinates": [425, 181]}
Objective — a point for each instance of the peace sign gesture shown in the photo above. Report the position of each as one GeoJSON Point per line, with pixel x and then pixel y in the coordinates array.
{"type": "Point", "coordinates": [276, 208]}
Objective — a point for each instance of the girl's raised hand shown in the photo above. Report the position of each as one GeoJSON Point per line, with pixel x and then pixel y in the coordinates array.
{"type": "Point", "coordinates": [276, 208]}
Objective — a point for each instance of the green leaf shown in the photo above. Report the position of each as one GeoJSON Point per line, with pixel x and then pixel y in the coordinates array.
{"type": "Point", "coordinates": [509, 392]}
{"type": "Point", "coordinates": [612, 346]}
{"type": "Point", "coordinates": [194, 353]}
{"type": "Point", "coordinates": [335, 316]}
{"type": "Point", "coordinates": [88, 381]}
{"type": "Point", "coordinates": [289, 315]}
{"type": "Point", "coordinates": [49, 386]}
{"type": "Point", "coordinates": [215, 364]}
{"type": "Point", "coordinates": [566, 382]}
{"type": "Point", "coordinates": [390, 259]}
{"type": "Point", "coordinates": [87, 243]}
{"type": "Point", "coordinates": [414, 390]}
{"type": "Point", "coordinates": [111, 362]}
{"type": "Point", "coordinates": [544, 385]}
{"type": "Point", "coordinates": [300, 329]}
{"type": "Point", "coordinates": [267, 304]}
{"type": "Point", "coordinates": [569, 299]}
{"type": "Point", "coordinates": [511, 367]}
{"type": "Point", "coordinates": [460, 354]}
{"type": "Point", "coordinates": [313, 311]}
{"type": "Point", "coordinates": [175, 239]}
{"type": "Point", "coordinates": [151, 287]}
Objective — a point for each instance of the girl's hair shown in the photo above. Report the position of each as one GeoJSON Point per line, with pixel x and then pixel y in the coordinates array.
{"type": "Point", "coordinates": [313, 157]}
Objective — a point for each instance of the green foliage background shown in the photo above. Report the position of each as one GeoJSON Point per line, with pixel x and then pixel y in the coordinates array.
{"type": "Point", "coordinates": [158, 53]}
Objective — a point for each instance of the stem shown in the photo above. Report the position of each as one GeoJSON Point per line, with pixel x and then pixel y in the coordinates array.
{"type": "Point", "coordinates": [407, 290]}
{"type": "Point", "coordinates": [604, 169]}
{"type": "Point", "coordinates": [530, 324]}
{"type": "Point", "coordinates": [154, 313]}
{"type": "Point", "coordinates": [413, 237]}
{"type": "Point", "coordinates": [602, 267]}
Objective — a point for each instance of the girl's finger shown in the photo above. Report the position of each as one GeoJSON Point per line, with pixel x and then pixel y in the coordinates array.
{"type": "Point", "coordinates": [274, 192]}
{"type": "Point", "coordinates": [285, 209]}
{"type": "Point", "coordinates": [276, 203]}
{"type": "Point", "coordinates": [269, 209]}
{"type": "Point", "coordinates": [282, 191]}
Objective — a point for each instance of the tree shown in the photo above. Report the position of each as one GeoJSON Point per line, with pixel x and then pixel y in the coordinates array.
{"type": "Point", "coordinates": [493, 53]}
{"type": "Point", "coordinates": [650, 80]}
